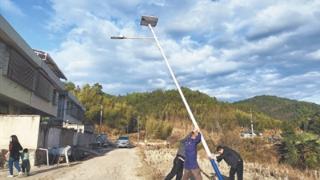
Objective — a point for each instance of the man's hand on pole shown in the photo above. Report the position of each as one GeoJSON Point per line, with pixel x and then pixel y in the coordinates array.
{"type": "Point", "coordinates": [213, 156]}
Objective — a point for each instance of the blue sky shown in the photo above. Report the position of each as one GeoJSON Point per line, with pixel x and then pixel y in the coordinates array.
{"type": "Point", "coordinates": [230, 49]}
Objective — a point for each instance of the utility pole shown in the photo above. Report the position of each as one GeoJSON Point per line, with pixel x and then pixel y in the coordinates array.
{"type": "Point", "coordinates": [138, 130]}
{"type": "Point", "coordinates": [101, 108]}
{"type": "Point", "coordinates": [252, 132]}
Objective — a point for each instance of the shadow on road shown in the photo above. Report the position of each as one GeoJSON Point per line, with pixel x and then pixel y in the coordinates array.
{"type": "Point", "coordinates": [32, 173]}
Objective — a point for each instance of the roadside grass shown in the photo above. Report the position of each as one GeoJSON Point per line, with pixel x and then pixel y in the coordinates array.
{"type": "Point", "coordinates": [160, 161]}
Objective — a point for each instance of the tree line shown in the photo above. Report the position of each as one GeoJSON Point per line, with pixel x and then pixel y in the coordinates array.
{"type": "Point", "coordinates": [165, 108]}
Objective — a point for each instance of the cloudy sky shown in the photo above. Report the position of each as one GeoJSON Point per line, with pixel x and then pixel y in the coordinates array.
{"type": "Point", "coordinates": [230, 49]}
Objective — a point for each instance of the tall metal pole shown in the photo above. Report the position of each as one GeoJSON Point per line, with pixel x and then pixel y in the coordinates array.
{"type": "Point", "coordinates": [195, 124]}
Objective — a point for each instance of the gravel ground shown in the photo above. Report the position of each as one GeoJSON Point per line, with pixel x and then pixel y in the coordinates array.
{"type": "Point", "coordinates": [122, 164]}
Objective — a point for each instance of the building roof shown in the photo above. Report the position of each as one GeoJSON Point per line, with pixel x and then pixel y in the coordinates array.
{"type": "Point", "coordinates": [49, 61]}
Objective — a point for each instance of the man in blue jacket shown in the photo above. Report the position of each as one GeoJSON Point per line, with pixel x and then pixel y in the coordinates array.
{"type": "Point", "coordinates": [191, 167]}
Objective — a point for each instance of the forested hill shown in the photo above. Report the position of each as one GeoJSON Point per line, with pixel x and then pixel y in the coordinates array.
{"type": "Point", "coordinates": [163, 107]}
{"type": "Point", "coordinates": [167, 104]}
{"type": "Point", "coordinates": [211, 114]}
{"type": "Point", "coordinates": [279, 108]}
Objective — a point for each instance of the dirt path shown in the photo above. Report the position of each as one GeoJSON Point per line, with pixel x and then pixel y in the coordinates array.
{"type": "Point", "coordinates": [119, 164]}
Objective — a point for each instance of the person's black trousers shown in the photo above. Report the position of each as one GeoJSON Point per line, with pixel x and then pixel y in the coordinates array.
{"type": "Point", "coordinates": [25, 166]}
{"type": "Point", "coordinates": [177, 169]}
{"type": "Point", "coordinates": [238, 170]}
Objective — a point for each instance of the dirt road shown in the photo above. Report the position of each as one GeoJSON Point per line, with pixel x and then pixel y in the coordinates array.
{"type": "Point", "coordinates": [122, 164]}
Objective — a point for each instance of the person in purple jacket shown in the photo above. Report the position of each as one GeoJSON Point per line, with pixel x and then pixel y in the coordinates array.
{"type": "Point", "coordinates": [191, 167]}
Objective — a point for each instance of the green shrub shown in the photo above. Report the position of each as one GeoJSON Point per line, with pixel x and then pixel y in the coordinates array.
{"type": "Point", "coordinates": [158, 129]}
{"type": "Point", "coordinates": [301, 150]}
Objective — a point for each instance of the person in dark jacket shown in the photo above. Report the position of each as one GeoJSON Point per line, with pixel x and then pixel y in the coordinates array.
{"type": "Point", "coordinates": [191, 167]}
{"type": "Point", "coordinates": [14, 150]}
{"type": "Point", "coordinates": [177, 169]}
{"type": "Point", "coordinates": [233, 159]}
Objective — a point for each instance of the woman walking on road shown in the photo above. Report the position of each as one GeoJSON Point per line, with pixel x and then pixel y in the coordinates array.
{"type": "Point", "coordinates": [14, 155]}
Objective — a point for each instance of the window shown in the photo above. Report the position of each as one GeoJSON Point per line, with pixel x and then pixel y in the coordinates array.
{"type": "Point", "coordinates": [74, 110]}
{"type": "Point", "coordinates": [4, 108]}
{"type": "Point", "coordinates": [43, 88]}
{"type": "Point", "coordinates": [61, 106]}
{"type": "Point", "coordinates": [20, 70]}
{"type": "Point", "coordinates": [54, 97]}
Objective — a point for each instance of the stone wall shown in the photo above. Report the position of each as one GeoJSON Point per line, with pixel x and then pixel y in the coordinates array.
{"type": "Point", "coordinates": [55, 137]}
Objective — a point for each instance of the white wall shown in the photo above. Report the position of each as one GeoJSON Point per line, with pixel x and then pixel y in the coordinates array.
{"type": "Point", "coordinates": [61, 137]}
{"type": "Point", "coordinates": [26, 127]}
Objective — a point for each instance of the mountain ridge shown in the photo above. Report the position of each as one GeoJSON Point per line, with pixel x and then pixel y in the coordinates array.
{"type": "Point", "coordinates": [279, 107]}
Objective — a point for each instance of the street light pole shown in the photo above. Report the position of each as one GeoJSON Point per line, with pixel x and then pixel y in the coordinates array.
{"type": "Point", "coordinates": [151, 21]}
{"type": "Point", "coordinates": [204, 143]}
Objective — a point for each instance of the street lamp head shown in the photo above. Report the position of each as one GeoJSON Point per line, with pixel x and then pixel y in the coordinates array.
{"type": "Point", "coordinates": [118, 37]}
{"type": "Point", "coordinates": [146, 20]}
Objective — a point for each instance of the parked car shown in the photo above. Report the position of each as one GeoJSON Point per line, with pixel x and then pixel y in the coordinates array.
{"type": "Point", "coordinates": [123, 141]}
{"type": "Point", "coordinates": [102, 140]}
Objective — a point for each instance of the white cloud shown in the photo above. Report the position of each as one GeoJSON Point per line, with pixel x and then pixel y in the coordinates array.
{"type": "Point", "coordinates": [315, 55]}
{"type": "Point", "coordinates": [213, 66]}
{"type": "Point", "coordinates": [312, 98]}
{"type": "Point", "coordinates": [222, 93]}
{"type": "Point", "coordinates": [10, 7]}
{"type": "Point", "coordinates": [243, 84]}
{"type": "Point", "coordinates": [229, 49]}
{"type": "Point", "coordinates": [277, 18]}
{"type": "Point", "coordinates": [307, 78]}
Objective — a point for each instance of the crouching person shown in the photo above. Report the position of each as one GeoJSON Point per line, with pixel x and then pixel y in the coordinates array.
{"type": "Point", "coordinates": [25, 162]}
{"type": "Point", "coordinates": [178, 162]}
{"type": "Point", "coordinates": [233, 159]}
